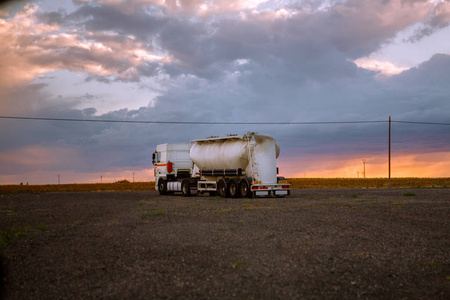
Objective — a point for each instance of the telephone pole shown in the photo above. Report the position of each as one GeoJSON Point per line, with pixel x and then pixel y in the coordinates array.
{"type": "Point", "coordinates": [389, 158]}
{"type": "Point", "coordinates": [364, 166]}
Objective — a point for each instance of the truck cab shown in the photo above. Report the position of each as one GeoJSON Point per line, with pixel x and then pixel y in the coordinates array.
{"type": "Point", "coordinates": [171, 161]}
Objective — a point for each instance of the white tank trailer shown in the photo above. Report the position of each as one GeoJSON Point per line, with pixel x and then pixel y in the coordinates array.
{"type": "Point", "coordinates": [232, 166]}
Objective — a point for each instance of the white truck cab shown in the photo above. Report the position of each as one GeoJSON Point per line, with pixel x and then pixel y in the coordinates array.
{"type": "Point", "coordinates": [171, 161]}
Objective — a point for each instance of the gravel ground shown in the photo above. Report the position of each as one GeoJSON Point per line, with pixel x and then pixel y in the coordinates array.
{"type": "Point", "coordinates": [314, 244]}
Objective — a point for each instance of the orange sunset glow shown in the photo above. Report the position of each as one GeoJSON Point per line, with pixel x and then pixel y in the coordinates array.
{"type": "Point", "coordinates": [407, 165]}
{"type": "Point", "coordinates": [435, 164]}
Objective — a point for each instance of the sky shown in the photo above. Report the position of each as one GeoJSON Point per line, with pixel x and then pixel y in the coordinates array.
{"type": "Point", "coordinates": [229, 61]}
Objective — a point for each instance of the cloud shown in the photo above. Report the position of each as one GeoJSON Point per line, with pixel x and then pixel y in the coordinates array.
{"type": "Point", "coordinates": [16, 67]}
{"type": "Point", "coordinates": [3, 13]}
{"type": "Point", "coordinates": [300, 37]}
{"type": "Point", "coordinates": [180, 7]}
{"type": "Point", "coordinates": [383, 67]}
{"type": "Point", "coordinates": [438, 19]}
{"type": "Point", "coordinates": [35, 48]}
{"type": "Point", "coordinates": [108, 43]}
{"type": "Point", "coordinates": [432, 73]}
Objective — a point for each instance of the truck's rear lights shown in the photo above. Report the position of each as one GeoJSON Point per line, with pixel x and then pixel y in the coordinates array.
{"type": "Point", "coordinates": [284, 186]}
{"type": "Point", "coordinates": [259, 188]}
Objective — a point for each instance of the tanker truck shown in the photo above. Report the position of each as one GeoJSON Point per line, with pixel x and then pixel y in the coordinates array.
{"type": "Point", "coordinates": [231, 166]}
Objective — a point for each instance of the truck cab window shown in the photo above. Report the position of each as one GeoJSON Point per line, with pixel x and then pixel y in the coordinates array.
{"type": "Point", "coordinates": [156, 157]}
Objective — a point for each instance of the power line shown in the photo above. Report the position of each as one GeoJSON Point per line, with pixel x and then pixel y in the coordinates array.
{"type": "Point", "coordinates": [422, 123]}
{"type": "Point", "coordinates": [213, 123]}
{"type": "Point", "coordinates": [188, 122]}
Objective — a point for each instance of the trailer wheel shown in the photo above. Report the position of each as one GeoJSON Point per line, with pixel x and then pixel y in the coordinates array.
{"type": "Point", "coordinates": [222, 188]}
{"type": "Point", "coordinates": [233, 188]}
{"type": "Point", "coordinates": [162, 187]}
{"type": "Point", "coordinates": [186, 188]}
{"type": "Point", "coordinates": [244, 188]}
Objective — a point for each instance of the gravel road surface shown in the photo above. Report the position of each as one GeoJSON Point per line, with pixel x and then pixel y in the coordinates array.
{"type": "Point", "coordinates": [314, 244]}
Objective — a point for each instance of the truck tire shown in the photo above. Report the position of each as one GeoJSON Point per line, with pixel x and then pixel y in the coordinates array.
{"type": "Point", "coordinates": [222, 188]}
{"type": "Point", "coordinates": [244, 188]}
{"type": "Point", "coordinates": [186, 188]}
{"type": "Point", "coordinates": [233, 188]}
{"type": "Point", "coordinates": [162, 187]}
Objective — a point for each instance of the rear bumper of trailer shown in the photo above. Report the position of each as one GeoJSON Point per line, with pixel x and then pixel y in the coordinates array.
{"type": "Point", "coordinates": [271, 189]}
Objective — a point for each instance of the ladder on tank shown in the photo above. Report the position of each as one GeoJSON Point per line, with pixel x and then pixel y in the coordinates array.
{"type": "Point", "coordinates": [251, 157]}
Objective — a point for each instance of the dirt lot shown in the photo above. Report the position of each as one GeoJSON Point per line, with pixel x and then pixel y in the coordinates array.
{"type": "Point", "coordinates": [314, 244]}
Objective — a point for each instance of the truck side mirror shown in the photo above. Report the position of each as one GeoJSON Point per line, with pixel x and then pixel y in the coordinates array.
{"type": "Point", "coordinates": [153, 158]}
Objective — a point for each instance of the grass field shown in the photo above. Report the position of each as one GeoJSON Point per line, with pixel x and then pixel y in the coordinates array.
{"type": "Point", "coordinates": [296, 183]}
{"type": "Point", "coordinates": [353, 183]}
{"type": "Point", "coordinates": [79, 187]}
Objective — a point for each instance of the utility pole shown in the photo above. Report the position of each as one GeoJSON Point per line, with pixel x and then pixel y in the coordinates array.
{"type": "Point", "coordinates": [389, 150]}
{"type": "Point", "coordinates": [101, 179]}
{"type": "Point", "coordinates": [133, 175]}
{"type": "Point", "coordinates": [364, 165]}
{"type": "Point", "coordinates": [59, 177]}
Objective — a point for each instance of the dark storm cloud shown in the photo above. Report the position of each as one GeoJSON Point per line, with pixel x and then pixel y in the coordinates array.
{"type": "Point", "coordinates": [315, 42]}
{"type": "Point", "coordinates": [439, 18]}
{"type": "Point", "coordinates": [433, 73]}
{"type": "Point", "coordinates": [320, 41]}
{"type": "Point", "coordinates": [52, 18]}
{"type": "Point", "coordinates": [108, 18]}
{"type": "Point", "coordinates": [360, 98]}
{"type": "Point", "coordinates": [239, 101]}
